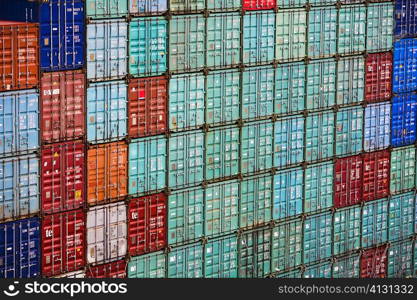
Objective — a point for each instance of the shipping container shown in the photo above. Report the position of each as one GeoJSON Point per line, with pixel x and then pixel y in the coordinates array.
{"type": "Point", "coordinates": [404, 66]}
{"type": "Point", "coordinates": [255, 201]}
{"type": "Point", "coordinates": [62, 106]}
{"type": "Point", "coordinates": [286, 246]}
{"type": "Point", "coordinates": [290, 274]}
{"type": "Point", "coordinates": [378, 76]}
{"type": "Point", "coordinates": [97, 9]}
{"type": "Point", "coordinates": [107, 50]}
{"type": "Point", "coordinates": [403, 124]}
{"type": "Point", "coordinates": [350, 84]}
{"type": "Point", "coordinates": [186, 6]}
{"type": "Point", "coordinates": [288, 193]}
{"type": "Point", "coordinates": [62, 177]}
{"type": "Point", "coordinates": [348, 181]}
{"type": "Point", "coordinates": [403, 169]}
{"type": "Point", "coordinates": [19, 62]}
{"type": "Point", "coordinates": [147, 164]}
{"type": "Point", "coordinates": [75, 274]}
{"type": "Point", "coordinates": [319, 134]}
{"type": "Point", "coordinates": [220, 258]}
{"type": "Point", "coordinates": [377, 126]}
{"type": "Point", "coordinates": [186, 220]}
{"type": "Point", "coordinates": [288, 141]}
{"type": "Point", "coordinates": [19, 122]}
{"type": "Point", "coordinates": [352, 29]}
{"type": "Point", "coordinates": [61, 26]}
{"type": "Point", "coordinates": [63, 242]}
{"type": "Point", "coordinates": [401, 216]}
{"type": "Point", "coordinates": [258, 4]}
{"type": "Point", "coordinates": [221, 5]}
{"type": "Point", "coordinates": [106, 172]}
{"type": "Point", "coordinates": [106, 111]}
{"type": "Point", "coordinates": [400, 259]}
{"type": "Point", "coordinates": [186, 43]}
{"type": "Point", "coordinates": [290, 83]}
{"type": "Point", "coordinates": [115, 269]}
{"type": "Point", "coordinates": [20, 253]}
{"type": "Point", "coordinates": [258, 37]}
{"type": "Point", "coordinates": [374, 262]}
{"type": "Point", "coordinates": [346, 230]}
{"type": "Point", "coordinates": [146, 7]}
{"type": "Point", "coordinates": [186, 159]}
{"type": "Point", "coordinates": [292, 3]}
{"type": "Point", "coordinates": [405, 18]}
{"type": "Point", "coordinates": [321, 84]}
{"type": "Point", "coordinates": [222, 97]}
{"type": "Point", "coordinates": [317, 237]}
{"type": "Point", "coordinates": [374, 223]}
{"type": "Point", "coordinates": [147, 109]}
{"type": "Point", "coordinates": [147, 46]}
{"type": "Point", "coordinates": [376, 175]}
{"type": "Point", "coordinates": [186, 261]}
{"type": "Point", "coordinates": [186, 102]}
{"type": "Point", "coordinates": [322, 270]}
{"type": "Point", "coordinates": [322, 32]}
{"type": "Point", "coordinates": [19, 187]}
{"type": "Point", "coordinates": [147, 220]}
{"type": "Point", "coordinates": [318, 187]}
{"type": "Point", "coordinates": [222, 152]}
{"type": "Point", "coordinates": [379, 26]}
{"type": "Point", "coordinates": [106, 233]}
{"type": "Point", "coordinates": [349, 131]}
{"type": "Point", "coordinates": [291, 38]}
{"type": "Point", "coordinates": [256, 147]}
{"type": "Point", "coordinates": [346, 267]}
{"type": "Point", "coordinates": [254, 253]}
{"type": "Point", "coordinates": [152, 265]}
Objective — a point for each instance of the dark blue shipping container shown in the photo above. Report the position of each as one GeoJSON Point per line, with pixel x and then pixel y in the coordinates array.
{"type": "Point", "coordinates": [405, 18]}
{"type": "Point", "coordinates": [403, 120]}
{"type": "Point", "coordinates": [19, 249]}
{"type": "Point", "coordinates": [405, 66]}
{"type": "Point", "coordinates": [61, 25]}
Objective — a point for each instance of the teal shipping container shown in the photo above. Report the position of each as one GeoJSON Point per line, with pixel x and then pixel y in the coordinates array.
{"type": "Point", "coordinates": [290, 82]}
{"type": "Point", "coordinates": [350, 83]}
{"type": "Point", "coordinates": [147, 165]}
{"type": "Point", "coordinates": [352, 29]}
{"type": "Point", "coordinates": [403, 169]}
{"type": "Point", "coordinates": [98, 9]}
{"type": "Point", "coordinates": [221, 5]}
{"type": "Point", "coordinates": [400, 259]}
{"type": "Point", "coordinates": [288, 193]}
{"type": "Point", "coordinates": [401, 216]}
{"type": "Point", "coordinates": [380, 25]}
{"type": "Point", "coordinates": [186, 6]}
{"type": "Point", "coordinates": [220, 258]}
{"type": "Point", "coordinates": [322, 270]}
{"type": "Point", "coordinates": [321, 84]}
{"type": "Point", "coordinates": [151, 265]}
{"type": "Point", "coordinates": [186, 261]}
{"type": "Point", "coordinates": [317, 237]}
{"type": "Point", "coordinates": [319, 136]}
{"type": "Point", "coordinates": [147, 46]}
{"type": "Point", "coordinates": [318, 187]}
{"type": "Point", "coordinates": [349, 131]}
{"type": "Point", "coordinates": [346, 267]}
{"type": "Point", "coordinates": [374, 223]}
{"type": "Point", "coordinates": [288, 141]}
{"type": "Point", "coordinates": [346, 230]}
{"type": "Point", "coordinates": [322, 34]}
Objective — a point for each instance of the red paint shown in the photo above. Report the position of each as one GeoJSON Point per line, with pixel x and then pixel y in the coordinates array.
{"type": "Point", "coordinates": [63, 242]}
{"type": "Point", "coordinates": [147, 224]}
{"type": "Point", "coordinates": [374, 262]}
{"type": "Point", "coordinates": [376, 174]}
{"type": "Point", "coordinates": [62, 98]}
{"type": "Point", "coordinates": [62, 176]}
{"type": "Point", "coordinates": [147, 106]}
{"type": "Point", "coordinates": [258, 4]}
{"type": "Point", "coordinates": [348, 181]}
{"type": "Point", "coordinates": [19, 59]}
{"type": "Point", "coordinates": [116, 269]}
{"type": "Point", "coordinates": [378, 75]}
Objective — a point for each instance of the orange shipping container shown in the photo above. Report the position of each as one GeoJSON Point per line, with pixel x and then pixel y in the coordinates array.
{"type": "Point", "coordinates": [19, 59]}
{"type": "Point", "coordinates": [107, 172]}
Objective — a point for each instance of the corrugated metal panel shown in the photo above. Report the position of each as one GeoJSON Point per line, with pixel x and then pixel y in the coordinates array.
{"type": "Point", "coordinates": [19, 187]}
{"type": "Point", "coordinates": [377, 126]}
{"type": "Point", "coordinates": [348, 181]}
{"type": "Point", "coordinates": [258, 4]}
{"type": "Point", "coordinates": [321, 84]}
{"type": "Point", "coordinates": [403, 169]}
{"type": "Point", "coordinates": [288, 141]}
{"type": "Point", "coordinates": [404, 66]}
{"type": "Point", "coordinates": [322, 24]}
{"type": "Point", "coordinates": [186, 5]}
{"type": "Point", "coordinates": [292, 3]}
{"type": "Point", "coordinates": [220, 258]}
{"type": "Point", "coordinates": [107, 49]}
{"type": "Point", "coordinates": [221, 5]}
{"type": "Point", "coordinates": [147, 46]}
{"type": "Point", "coordinates": [317, 237]}
{"type": "Point", "coordinates": [378, 76]}
{"type": "Point", "coordinates": [319, 134]}
{"type": "Point", "coordinates": [147, 165]}
{"type": "Point", "coordinates": [106, 8]}
{"type": "Point", "coordinates": [374, 263]}
{"type": "Point", "coordinates": [288, 193]}
{"type": "Point", "coordinates": [400, 260]}
{"type": "Point", "coordinates": [403, 124]}
{"type": "Point", "coordinates": [379, 26]}
{"type": "Point", "coordinates": [323, 270]}
{"type": "Point", "coordinates": [20, 254]}
{"type": "Point", "coordinates": [349, 131]}
{"type": "Point", "coordinates": [151, 265]}
{"type": "Point", "coordinates": [141, 7]}
{"type": "Point", "coordinates": [401, 216]}
{"type": "Point", "coordinates": [186, 261]}
{"type": "Point", "coordinates": [352, 29]}
{"type": "Point", "coordinates": [376, 175]}
{"type": "Point", "coordinates": [318, 187]}
{"type": "Point", "coordinates": [290, 82]}
{"type": "Point", "coordinates": [405, 18]}
{"type": "Point", "coordinates": [350, 84]}
{"type": "Point", "coordinates": [374, 223]}
{"type": "Point", "coordinates": [19, 122]}
{"type": "Point", "coordinates": [346, 267]}
{"type": "Point", "coordinates": [346, 230]}
{"type": "Point", "coordinates": [106, 111]}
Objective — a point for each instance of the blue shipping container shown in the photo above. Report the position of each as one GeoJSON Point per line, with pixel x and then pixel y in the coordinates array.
{"type": "Point", "coordinates": [405, 18]}
{"type": "Point", "coordinates": [61, 29]}
{"type": "Point", "coordinates": [403, 124]}
{"type": "Point", "coordinates": [405, 66]}
{"type": "Point", "coordinates": [19, 249]}
{"type": "Point", "coordinates": [377, 126]}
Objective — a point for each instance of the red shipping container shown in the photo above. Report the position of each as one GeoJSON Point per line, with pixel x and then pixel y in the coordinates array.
{"type": "Point", "coordinates": [62, 176]}
{"type": "Point", "coordinates": [378, 75]}
{"type": "Point", "coordinates": [62, 106]}
{"type": "Point", "coordinates": [116, 269]}
{"type": "Point", "coordinates": [348, 181]}
{"type": "Point", "coordinates": [63, 242]}
{"type": "Point", "coordinates": [376, 174]}
{"type": "Point", "coordinates": [147, 106]}
{"type": "Point", "coordinates": [147, 224]}
{"type": "Point", "coordinates": [19, 59]}
{"type": "Point", "coordinates": [258, 4]}
{"type": "Point", "coordinates": [374, 262]}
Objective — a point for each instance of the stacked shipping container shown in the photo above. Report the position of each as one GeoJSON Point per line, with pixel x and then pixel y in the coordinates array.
{"type": "Point", "coordinates": [208, 139]}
